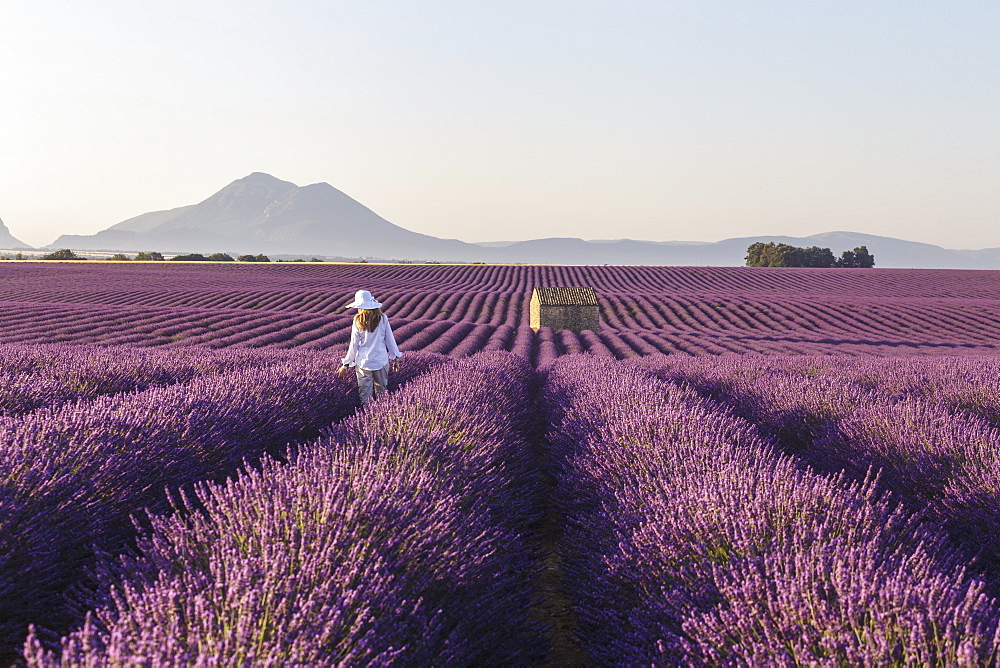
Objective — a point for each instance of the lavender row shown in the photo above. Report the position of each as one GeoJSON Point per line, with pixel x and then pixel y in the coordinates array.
{"type": "Point", "coordinates": [36, 376]}
{"type": "Point", "coordinates": [796, 399]}
{"type": "Point", "coordinates": [792, 400]}
{"type": "Point", "coordinates": [927, 428]}
{"type": "Point", "coordinates": [690, 540]}
{"type": "Point", "coordinates": [44, 375]}
{"type": "Point", "coordinates": [400, 537]}
{"type": "Point", "coordinates": [959, 384]}
{"type": "Point", "coordinates": [71, 476]}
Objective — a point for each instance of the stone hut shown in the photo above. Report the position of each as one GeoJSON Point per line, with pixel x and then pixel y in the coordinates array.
{"type": "Point", "coordinates": [575, 309]}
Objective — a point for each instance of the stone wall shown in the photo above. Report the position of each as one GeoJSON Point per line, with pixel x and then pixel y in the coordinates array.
{"type": "Point", "coordinates": [575, 318]}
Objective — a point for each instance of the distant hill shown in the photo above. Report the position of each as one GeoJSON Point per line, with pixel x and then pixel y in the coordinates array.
{"type": "Point", "coordinates": [7, 240]}
{"type": "Point", "coordinates": [888, 252]}
{"type": "Point", "coordinates": [262, 214]}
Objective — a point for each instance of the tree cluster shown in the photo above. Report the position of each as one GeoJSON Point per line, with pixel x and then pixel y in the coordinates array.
{"type": "Point", "coordinates": [195, 257]}
{"type": "Point", "coordinates": [215, 257]}
{"type": "Point", "coordinates": [62, 254]}
{"type": "Point", "coordinates": [783, 255]}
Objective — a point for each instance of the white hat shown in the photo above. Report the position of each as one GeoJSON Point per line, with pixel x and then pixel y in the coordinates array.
{"type": "Point", "coordinates": [364, 299]}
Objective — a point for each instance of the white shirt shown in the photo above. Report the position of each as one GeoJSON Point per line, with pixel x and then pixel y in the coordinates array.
{"type": "Point", "coordinates": [371, 350]}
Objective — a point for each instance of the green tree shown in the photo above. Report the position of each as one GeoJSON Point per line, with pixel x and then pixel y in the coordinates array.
{"type": "Point", "coordinates": [813, 256]}
{"type": "Point", "coordinates": [220, 257]}
{"type": "Point", "coordinates": [119, 257]}
{"type": "Point", "coordinates": [149, 256]}
{"type": "Point", "coordinates": [859, 258]}
{"type": "Point", "coordinates": [864, 259]}
{"type": "Point", "coordinates": [770, 255]}
{"type": "Point", "coordinates": [755, 254]}
{"type": "Point", "coordinates": [190, 257]}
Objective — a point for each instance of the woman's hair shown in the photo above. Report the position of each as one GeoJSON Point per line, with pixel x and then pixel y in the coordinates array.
{"type": "Point", "coordinates": [367, 319]}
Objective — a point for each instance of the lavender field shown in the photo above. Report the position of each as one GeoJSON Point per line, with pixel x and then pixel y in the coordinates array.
{"type": "Point", "coordinates": [742, 467]}
{"type": "Point", "coordinates": [461, 310]}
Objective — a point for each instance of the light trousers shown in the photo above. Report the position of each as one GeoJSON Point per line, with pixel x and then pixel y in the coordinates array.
{"type": "Point", "coordinates": [371, 382]}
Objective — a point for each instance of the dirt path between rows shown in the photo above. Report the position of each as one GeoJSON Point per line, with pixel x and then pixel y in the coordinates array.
{"type": "Point", "coordinates": [555, 610]}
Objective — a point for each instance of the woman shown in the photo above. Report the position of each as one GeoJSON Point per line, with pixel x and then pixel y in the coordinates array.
{"type": "Point", "coordinates": [372, 347]}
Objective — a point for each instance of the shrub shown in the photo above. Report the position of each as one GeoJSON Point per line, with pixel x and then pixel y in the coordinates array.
{"type": "Point", "coordinates": [118, 257]}
{"type": "Point", "coordinates": [220, 257]}
{"type": "Point", "coordinates": [149, 256]}
{"type": "Point", "coordinates": [190, 257]}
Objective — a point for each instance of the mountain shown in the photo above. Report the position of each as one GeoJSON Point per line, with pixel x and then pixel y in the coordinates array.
{"type": "Point", "coordinates": [262, 214]}
{"type": "Point", "coordinates": [7, 240]}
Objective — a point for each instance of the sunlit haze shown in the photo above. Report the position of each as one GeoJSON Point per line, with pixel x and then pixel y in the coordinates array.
{"type": "Point", "coordinates": [513, 120]}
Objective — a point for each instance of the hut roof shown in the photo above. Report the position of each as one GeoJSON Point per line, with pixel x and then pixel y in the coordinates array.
{"type": "Point", "coordinates": [566, 296]}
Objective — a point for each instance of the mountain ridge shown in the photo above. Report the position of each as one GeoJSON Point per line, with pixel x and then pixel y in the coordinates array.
{"type": "Point", "coordinates": [263, 214]}
{"type": "Point", "coordinates": [8, 241]}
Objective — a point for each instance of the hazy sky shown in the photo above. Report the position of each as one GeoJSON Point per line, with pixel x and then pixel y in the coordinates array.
{"type": "Point", "coordinates": [658, 120]}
